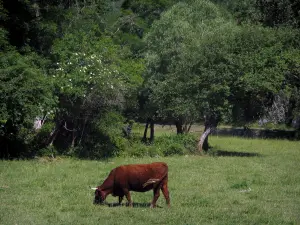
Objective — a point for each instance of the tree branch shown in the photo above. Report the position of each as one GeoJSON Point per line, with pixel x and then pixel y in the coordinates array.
{"type": "Point", "coordinates": [65, 126]}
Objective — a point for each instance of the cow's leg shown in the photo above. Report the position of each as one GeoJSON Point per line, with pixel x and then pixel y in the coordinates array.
{"type": "Point", "coordinates": [165, 191]}
{"type": "Point", "coordinates": [155, 197]}
{"type": "Point", "coordinates": [120, 199]}
{"type": "Point", "coordinates": [127, 194]}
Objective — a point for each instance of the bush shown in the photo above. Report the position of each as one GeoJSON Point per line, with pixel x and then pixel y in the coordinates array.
{"type": "Point", "coordinates": [49, 151]}
{"type": "Point", "coordinates": [165, 145]}
{"type": "Point", "coordinates": [105, 138]}
{"type": "Point", "coordinates": [178, 144]}
{"type": "Point", "coordinates": [136, 150]}
{"type": "Point", "coordinates": [41, 137]}
{"type": "Point", "coordinates": [174, 149]}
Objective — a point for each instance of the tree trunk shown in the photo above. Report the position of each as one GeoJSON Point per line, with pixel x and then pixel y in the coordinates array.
{"type": "Point", "coordinates": [190, 126]}
{"type": "Point", "coordinates": [210, 123]}
{"type": "Point", "coordinates": [144, 139]}
{"type": "Point", "coordinates": [52, 137]}
{"type": "Point", "coordinates": [74, 136]}
{"type": "Point", "coordinates": [179, 127]}
{"type": "Point", "coordinates": [187, 128]}
{"type": "Point", "coordinates": [82, 132]}
{"type": "Point", "coordinates": [151, 131]}
{"type": "Point", "coordinates": [151, 123]}
{"type": "Point", "coordinates": [203, 142]}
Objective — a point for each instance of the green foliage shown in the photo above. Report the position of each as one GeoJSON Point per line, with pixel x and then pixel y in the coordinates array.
{"type": "Point", "coordinates": [39, 23]}
{"type": "Point", "coordinates": [49, 152]}
{"type": "Point", "coordinates": [263, 69]}
{"type": "Point", "coordinates": [87, 66]}
{"type": "Point", "coordinates": [243, 11]}
{"type": "Point", "coordinates": [24, 87]}
{"type": "Point", "coordinates": [279, 12]}
{"type": "Point", "coordinates": [148, 9]}
{"type": "Point", "coordinates": [93, 77]}
{"type": "Point", "coordinates": [86, 73]}
{"type": "Point", "coordinates": [272, 13]}
{"type": "Point", "coordinates": [291, 59]}
{"type": "Point", "coordinates": [176, 144]}
{"type": "Point", "coordinates": [217, 68]}
{"type": "Point", "coordinates": [164, 145]}
{"type": "Point", "coordinates": [104, 139]}
{"type": "Point", "coordinates": [140, 150]}
{"type": "Point", "coordinates": [38, 145]}
{"type": "Point", "coordinates": [3, 39]}
{"type": "Point", "coordinates": [173, 149]}
{"type": "Point", "coordinates": [178, 86]}
{"type": "Point", "coordinates": [27, 94]}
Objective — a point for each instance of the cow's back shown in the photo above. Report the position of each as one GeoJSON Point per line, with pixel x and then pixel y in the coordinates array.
{"type": "Point", "coordinates": [133, 177]}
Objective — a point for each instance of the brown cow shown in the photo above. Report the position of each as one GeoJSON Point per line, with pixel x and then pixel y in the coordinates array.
{"type": "Point", "coordinates": [136, 177]}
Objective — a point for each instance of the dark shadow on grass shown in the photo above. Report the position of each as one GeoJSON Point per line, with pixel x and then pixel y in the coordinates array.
{"type": "Point", "coordinates": [257, 133]}
{"type": "Point", "coordinates": [234, 154]}
{"type": "Point", "coordinates": [135, 205]}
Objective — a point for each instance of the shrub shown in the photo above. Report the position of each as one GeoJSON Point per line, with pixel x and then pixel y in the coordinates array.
{"type": "Point", "coordinates": [174, 149]}
{"type": "Point", "coordinates": [105, 138]}
{"type": "Point", "coordinates": [137, 150]}
{"type": "Point", "coordinates": [165, 145]}
{"type": "Point", "coordinates": [177, 144]}
{"type": "Point", "coordinates": [49, 151]}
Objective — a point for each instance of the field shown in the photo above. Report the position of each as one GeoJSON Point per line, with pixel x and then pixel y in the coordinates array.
{"type": "Point", "coordinates": [262, 187]}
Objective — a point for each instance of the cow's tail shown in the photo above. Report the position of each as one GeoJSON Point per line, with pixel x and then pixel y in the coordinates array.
{"type": "Point", "coordinates": [154, 180]}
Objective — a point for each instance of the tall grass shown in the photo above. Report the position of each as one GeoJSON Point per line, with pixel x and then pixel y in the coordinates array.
{"type": "Point", "coordinates": [261, 188]}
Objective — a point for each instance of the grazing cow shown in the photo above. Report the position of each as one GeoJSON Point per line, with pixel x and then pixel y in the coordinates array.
{"type": "Point", "coordinates": [136, 177]}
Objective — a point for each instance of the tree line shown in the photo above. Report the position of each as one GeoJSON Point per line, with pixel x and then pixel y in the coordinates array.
{"type": "Point", "coordinates": [73, 73]}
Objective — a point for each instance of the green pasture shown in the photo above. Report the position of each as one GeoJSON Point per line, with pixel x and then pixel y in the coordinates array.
{"type": "Point", "coordinates": [245, 181]}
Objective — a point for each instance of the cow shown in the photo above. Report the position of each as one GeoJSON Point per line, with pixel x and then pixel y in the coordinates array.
{"type": "Point", "coordinates": [135, 177]}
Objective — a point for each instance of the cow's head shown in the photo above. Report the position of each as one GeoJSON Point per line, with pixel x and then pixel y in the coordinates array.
{"type": "Point", "coordinates": [99, 196]}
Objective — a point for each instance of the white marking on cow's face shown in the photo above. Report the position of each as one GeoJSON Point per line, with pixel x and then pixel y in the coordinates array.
{"type": "Point", "coordinates": [94, 189]}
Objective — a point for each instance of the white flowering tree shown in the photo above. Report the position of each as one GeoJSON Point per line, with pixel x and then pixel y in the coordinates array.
{"type": "Point", "coordinates": [92, 77]}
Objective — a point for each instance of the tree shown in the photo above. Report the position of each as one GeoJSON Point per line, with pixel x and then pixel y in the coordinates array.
{"type": "Point", "coordinates": [93, 77]}
{"type": "Point", "coordinates": [178, 74]}
{"type": "Point", "coordinates": [292, 84]}
{"type": "Point", "coordinates": [276, 13]}
{"type": "Point", "coordinates": [131, 20]}
{"type": "Point", "coordinates": [26, 94]}
{"type": "Point", "coordinates": [242, 10]}
{"type": "Point", "coordinates": [217, 71]}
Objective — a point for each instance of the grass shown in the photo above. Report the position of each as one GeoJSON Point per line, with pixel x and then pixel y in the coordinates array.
{"type": "Point", "coordinates": [263, 189]}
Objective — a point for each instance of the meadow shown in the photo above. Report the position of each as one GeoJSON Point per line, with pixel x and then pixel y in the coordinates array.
{"type": "Point", "coordinates": [245, 181]}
